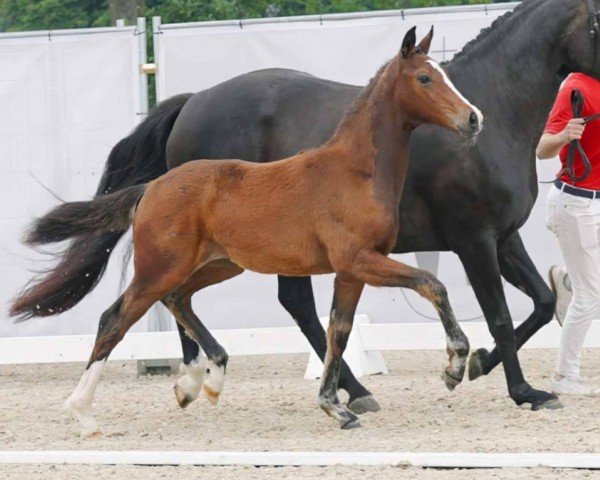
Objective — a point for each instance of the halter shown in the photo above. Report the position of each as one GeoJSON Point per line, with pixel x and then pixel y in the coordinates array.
{"type": "Point", "coordinates": [594, 30]}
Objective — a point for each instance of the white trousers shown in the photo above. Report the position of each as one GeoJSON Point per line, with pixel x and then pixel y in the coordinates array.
{"type": "Point", "coordinates": [576, 223]}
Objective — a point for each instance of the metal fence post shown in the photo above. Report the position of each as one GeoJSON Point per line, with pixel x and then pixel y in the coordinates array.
{"type": "Point", "coordinates": [142, 60]}
{"type": "Point", "coordinates": [159, 318]}
{"type": "Point", "coordinates": [156, 23]}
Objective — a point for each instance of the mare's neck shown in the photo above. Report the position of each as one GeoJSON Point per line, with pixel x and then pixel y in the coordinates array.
{"type": "Point", "coordinates": [514, 73]}
{"type": "Point", "coordinates": [375, 137]}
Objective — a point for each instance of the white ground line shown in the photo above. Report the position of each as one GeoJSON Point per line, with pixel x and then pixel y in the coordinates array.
{"type": "Point", "coordinates": [420, 459]}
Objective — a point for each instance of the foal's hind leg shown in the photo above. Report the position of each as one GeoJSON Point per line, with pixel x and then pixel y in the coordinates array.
{"type": "Point", "coordinates": [378, 270]}
{"type": "Point", "coordinates": [114, 323]}
{"type": "Point", "coordinates": [188, 386]}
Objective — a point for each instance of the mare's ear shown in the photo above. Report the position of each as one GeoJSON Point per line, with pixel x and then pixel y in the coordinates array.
{"type": "Point", "coordinates": [425, 44]}
{"type": "Point", "coordinates": [408, 44]}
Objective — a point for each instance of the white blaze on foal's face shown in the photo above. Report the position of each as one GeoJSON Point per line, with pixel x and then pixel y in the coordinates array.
{"type": "Point", "coordinates": [436, 66]}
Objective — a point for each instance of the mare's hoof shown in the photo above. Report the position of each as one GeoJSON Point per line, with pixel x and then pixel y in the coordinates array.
{"type": "Point", "coordinates": [364, 404]}
{"type": "Point", "coordinates": [350, 424]}
{"type": "Point", "coordinates": [548, 404]}
{"type": "Point", "coordinates": [450, 381]}
{"type": "Point", "coordinates": [539, 400]}
{"type": "Point", "coordinates": [210, 394]}
{"type": "Point", "coordinates": [183, 399]}
{"type": "Point", "coordinates": [476, 363]}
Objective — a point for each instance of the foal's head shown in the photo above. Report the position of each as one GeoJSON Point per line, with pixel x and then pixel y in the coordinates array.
{"type": "Point", "coordinates": [426, 94]}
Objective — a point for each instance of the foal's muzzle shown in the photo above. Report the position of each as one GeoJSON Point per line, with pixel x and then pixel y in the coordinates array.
{"type": "Point", "coordinates": [473, 125]}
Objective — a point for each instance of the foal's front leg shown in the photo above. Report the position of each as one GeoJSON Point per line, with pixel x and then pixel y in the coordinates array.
{"type": "Point", "coordinates": [345, 299]}
{"type": "Point", "coordinates": [378, 270]}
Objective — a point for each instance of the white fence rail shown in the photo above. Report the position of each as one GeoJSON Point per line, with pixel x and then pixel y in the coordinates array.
{"type": "Point", "coordinates": [261, 341]}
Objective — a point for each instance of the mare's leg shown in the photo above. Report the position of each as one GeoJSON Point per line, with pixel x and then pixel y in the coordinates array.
{"type": "Point", "coordinates": [296, 296]}
{"type": "Point", "coordinates": [378, 270]}
{"type": "Point", "coordinates": [345, 298]}
{"type": "Point", "coordinates": [114, 323]}
{"type": "Point", "coordinates": [519, 270]}
{"type": "Point", "coordinates": [189, 385]}
{"type": "Point", "coordinates": [480, 260]}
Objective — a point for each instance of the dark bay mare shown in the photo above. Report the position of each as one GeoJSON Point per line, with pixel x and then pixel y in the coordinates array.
{"type": "Point", "coordinates": [205, 222]}
{"type": "Point", "coordinates": [470, 201]}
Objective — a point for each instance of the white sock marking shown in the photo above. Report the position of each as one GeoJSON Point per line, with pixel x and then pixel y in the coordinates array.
{"type": "Point", "coordinates": [216, 378]}
{"type": "Point", "coordinates": [193, 378]}
{"type": "Point", "coordinates": [80, 401]}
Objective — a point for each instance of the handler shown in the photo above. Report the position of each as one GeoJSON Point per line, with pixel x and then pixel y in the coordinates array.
{"type": "Point", "coordinates": [573, 215]}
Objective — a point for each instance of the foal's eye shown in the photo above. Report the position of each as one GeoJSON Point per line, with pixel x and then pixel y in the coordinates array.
{"type": "Point", "coordinates": [424, 79]}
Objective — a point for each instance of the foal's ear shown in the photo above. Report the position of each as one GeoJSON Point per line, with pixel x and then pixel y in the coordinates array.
{"type": "Point", "coordinates": [423, 47]}
{"type": "Point", "coordinates": [408, 44]}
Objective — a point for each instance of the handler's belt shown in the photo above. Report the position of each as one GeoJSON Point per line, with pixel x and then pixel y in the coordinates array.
{"type": "Point", "coordinates": [578, 192]}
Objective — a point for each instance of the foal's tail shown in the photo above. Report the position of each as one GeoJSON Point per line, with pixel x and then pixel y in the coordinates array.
{"type": "Point", "coordinates": [112, 213]}
{"type": "Point", "coordinates": [136, 159]}
{"type": "Point", "coordinates": [105, 213]}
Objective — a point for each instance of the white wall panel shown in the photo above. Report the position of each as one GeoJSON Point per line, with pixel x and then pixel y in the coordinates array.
{"type": "Point", "coordinates": [66, 97]}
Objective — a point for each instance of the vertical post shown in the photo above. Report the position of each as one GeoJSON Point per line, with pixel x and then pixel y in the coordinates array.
{"type": "Point", "coordinates": [120, 23]}
{"type": "Point", "coordinates": [142, 59]}
{"type": "Point", "coordinates": [156, 37]}
{"type": "Point", "coordinates": [159, 318]}
{"type": "Point", "coordinates": [444, 48]}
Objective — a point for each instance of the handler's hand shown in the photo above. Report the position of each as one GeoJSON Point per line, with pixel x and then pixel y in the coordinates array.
{"type": "Point", "coordinates": [573, 131]}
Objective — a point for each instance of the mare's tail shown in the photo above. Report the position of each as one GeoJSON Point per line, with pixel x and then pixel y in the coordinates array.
{"type": "Point", "coordinates": [136, 159]}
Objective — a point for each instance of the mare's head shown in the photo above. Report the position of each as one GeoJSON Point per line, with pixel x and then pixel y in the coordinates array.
{"type": "Point", "coordinates": [579, 49]}
{"type": "Point", "coordinates": [426, 94]}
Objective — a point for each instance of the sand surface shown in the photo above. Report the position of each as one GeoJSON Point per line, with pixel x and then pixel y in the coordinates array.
{"type": "Point", "coordinates": [267, 406]}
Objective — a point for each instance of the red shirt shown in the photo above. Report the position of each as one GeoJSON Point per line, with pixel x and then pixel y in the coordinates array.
{"type": "Point", "coordinates": [590, 141]}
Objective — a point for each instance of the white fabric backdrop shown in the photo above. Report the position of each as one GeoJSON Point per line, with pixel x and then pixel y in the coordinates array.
{"type": "Point", "coordinates": [200, 56]}
{"type": "Point", "coordinates": [65, 100]}
{"type": "Point", "coordinates": [64, 105]}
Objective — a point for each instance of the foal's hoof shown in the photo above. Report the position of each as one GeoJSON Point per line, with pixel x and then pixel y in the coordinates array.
{"type": "Point", "coordinates": [210, 394]}
{"type": "Point", "coordinates": [350, 424]}
{"type": "Point", "coordinates": [476, 363]}
{"type": "Point", "coordinates": [364, 404]}
{"type": "Point", "coordinates": [450, 380]}
{"type": "Point", "coordinates": [183, 399]}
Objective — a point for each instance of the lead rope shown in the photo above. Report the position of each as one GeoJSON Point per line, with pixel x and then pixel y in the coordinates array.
{"type": "Point", "coordinates": [577, 103]}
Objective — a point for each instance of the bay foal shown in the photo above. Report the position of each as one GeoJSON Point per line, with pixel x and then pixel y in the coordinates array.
{"type": "Point", "coordinates": [205, 222]}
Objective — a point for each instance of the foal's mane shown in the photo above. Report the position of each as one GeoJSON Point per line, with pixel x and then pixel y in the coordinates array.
{"type": "Point", "coordinates": [500, 22]}
{"type": "Point", "coordinates": [356, 107]}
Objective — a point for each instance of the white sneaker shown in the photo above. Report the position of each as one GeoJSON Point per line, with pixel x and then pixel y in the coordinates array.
{"type": "Point", "coordinates": [561, 286]}
{"type": "Point", "coordinates": [570, 386]}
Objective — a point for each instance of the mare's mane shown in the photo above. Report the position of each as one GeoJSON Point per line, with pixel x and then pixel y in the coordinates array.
{"type": "Point", "coordinates": [497, 24]}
